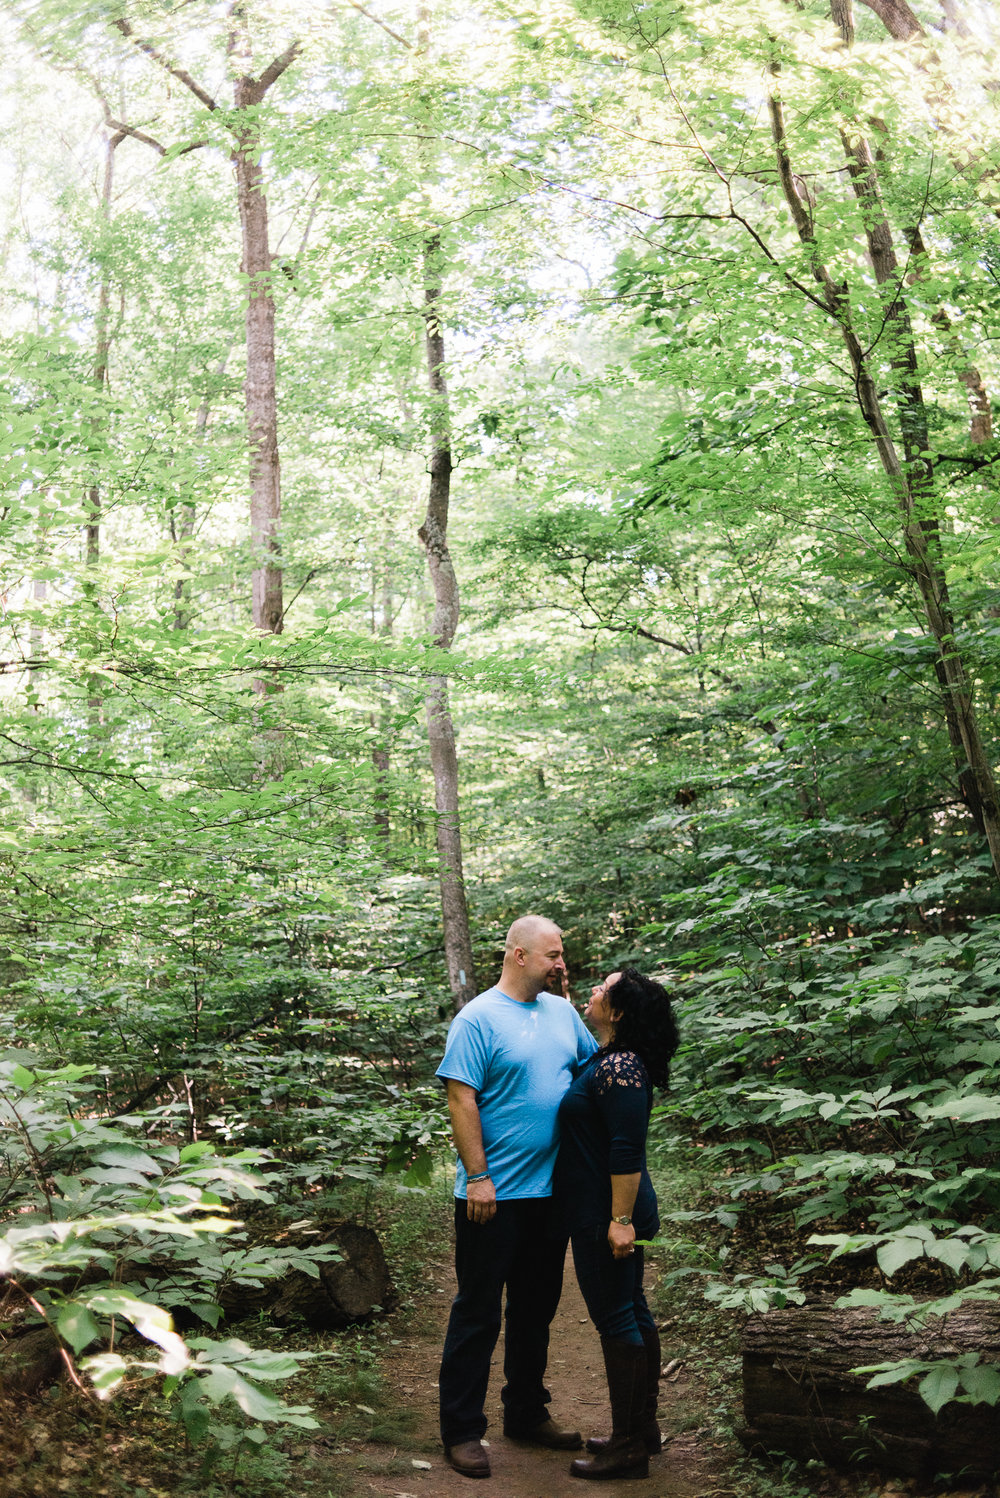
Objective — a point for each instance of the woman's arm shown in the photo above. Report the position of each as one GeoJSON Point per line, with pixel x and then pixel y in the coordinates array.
{"type": "Point", "coordinates": [622, 1094]}
{"type": "Point", "coordinates": [621, 1236]}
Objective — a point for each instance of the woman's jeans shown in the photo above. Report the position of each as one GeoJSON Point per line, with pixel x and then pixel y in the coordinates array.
{"type": "Point", "coordinates": [518, 1250]}
{"type": "Point", "coordinates": [611, 1287]}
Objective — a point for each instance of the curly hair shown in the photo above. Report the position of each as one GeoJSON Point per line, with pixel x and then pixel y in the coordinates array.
{"type": "Point", "coordinates": [645, 1022]}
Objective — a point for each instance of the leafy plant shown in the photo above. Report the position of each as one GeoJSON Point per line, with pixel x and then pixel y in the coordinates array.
{"type": "Point", "coordinates": [96, 1210]}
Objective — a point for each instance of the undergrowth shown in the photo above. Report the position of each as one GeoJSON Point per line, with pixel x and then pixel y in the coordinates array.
{"type": "Point", "coordinates": [134, 1447]}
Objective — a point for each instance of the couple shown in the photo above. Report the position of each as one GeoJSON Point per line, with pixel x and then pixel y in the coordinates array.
{"type": "Point", "coordinates": [550, 1126]}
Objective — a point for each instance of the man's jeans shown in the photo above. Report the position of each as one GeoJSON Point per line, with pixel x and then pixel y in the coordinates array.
{"type": "Point", "coordinates": [517, 1249]}
{"type": "Point", "coordinates": [611, 1287]}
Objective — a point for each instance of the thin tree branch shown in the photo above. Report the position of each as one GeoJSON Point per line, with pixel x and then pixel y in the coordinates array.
{"type": "Point", "coordinates": [181, 74]}
{"type": "Point", "coordinates": [364, 11]}
{"type": "Point", "coordinates": [130, 130]}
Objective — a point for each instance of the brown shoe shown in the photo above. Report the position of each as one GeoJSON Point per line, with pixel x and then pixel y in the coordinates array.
{"type": "Point", "coordinates": [469, 1458]}
{"type": "Point", "coordinates": [545, 1433]}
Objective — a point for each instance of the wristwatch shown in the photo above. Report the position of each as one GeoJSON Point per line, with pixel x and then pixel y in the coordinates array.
{"type": "Point", "coordinates": [625, 1221]}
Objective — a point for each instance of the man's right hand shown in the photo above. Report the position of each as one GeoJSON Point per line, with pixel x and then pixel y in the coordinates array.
{"type": "Point", "coordinates": [481, 1201]}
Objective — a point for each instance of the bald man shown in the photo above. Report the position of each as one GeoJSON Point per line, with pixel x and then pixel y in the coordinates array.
{"type": "Point", "coordinates": [510, 1056]}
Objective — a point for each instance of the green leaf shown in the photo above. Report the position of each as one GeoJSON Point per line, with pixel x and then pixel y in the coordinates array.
{"type": "Point", "coordinates": [950, 1251]}
{"type": "Point", "coordinates": [939, 1386]}
{"type": "Point", "coordinates": [195, 1151]}
{"type": "Point", "coordinates": [222, 1382]}
{"type": "Point", "coordinates": [981, 1383]}
{"type": "Point", "coordinates": [972, 1108]}
{"type": "Point", "coordinates": [197, 1421]}
{"type": "Point", "coordinates": [129, 1157]}
{"type": "Point", "coordinates": [894, 1375]}
{"type": "Point", "coordinates": [106, 1371]}
{"type": "Point", "coordinates": [76, 1324]}
{"type": "Point", "coordinates": [150, 1321]}
{"type": "Point", "coordinates": [897, 1252]}
{"type": "Point", "coordinates": [206, 1310]}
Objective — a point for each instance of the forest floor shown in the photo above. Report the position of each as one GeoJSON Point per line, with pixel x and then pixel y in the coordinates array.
{"type": "Point", "coordinates": [400, 1455]}
{"type": "Point", "coordinates": [373, 1392]}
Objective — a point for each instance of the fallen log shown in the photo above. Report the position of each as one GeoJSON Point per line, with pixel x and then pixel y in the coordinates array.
{"type": "Point", "coordinates": [800, 1396]}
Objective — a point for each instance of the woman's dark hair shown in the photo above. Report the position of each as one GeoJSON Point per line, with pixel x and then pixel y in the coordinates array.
{"type": "Point", "coordinates": [645, 1022]}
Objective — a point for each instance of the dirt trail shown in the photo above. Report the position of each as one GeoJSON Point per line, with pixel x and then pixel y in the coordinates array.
{"type": "Point", "coordinates": [686, 1469]}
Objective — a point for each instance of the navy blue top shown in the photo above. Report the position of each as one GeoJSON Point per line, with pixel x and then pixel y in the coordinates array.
{"type": "Point", "coordinates": [603, 1120]}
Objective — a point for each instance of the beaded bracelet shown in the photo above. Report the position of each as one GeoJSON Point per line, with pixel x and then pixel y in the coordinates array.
{"type": "Point", "coordinates": [471, 1180]}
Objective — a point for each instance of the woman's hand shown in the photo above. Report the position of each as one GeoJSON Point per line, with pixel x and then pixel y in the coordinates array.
{"type": "Point", "coordinates": [621, 1240]}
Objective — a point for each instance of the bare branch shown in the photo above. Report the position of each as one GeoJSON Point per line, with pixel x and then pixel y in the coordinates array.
{"type": "Point", "coordinates": [364, 11]}
{"type": "Point", "coordinates": [129, 130]}
{"type": "Point", "coordinates": [181, 74]}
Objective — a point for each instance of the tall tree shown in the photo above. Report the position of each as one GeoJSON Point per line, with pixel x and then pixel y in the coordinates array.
{"type": "Point", "coordinates": [112, 139]}
{"type": "Point", "coordinates": [243, 123]}
{"type": "Point", "coordinates": [887, 366]}
{"type": "Point", "coordinates": [910, 473]}
{"type": "Point", "coordinates": [447, 604]}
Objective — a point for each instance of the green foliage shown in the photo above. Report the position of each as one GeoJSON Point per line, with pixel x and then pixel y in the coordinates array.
{"type": "Point", "coordinates": [98, 1207]}
{"type": "Point", "coordinates": [876, 1053]}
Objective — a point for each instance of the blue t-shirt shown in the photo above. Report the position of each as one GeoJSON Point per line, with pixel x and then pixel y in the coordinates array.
{"type": "Point", "coordinates": [520, 1060]}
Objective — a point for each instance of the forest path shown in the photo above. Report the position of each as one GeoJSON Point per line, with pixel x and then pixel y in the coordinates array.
{"type": "Point", "coordinates": [688, 1468]}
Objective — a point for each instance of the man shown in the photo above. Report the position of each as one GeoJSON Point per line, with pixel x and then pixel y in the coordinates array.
{"type": "Point", "coordinates": [510, 1057]}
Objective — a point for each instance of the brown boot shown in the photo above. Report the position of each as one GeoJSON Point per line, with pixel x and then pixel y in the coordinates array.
{"type": "Point", "coordinates": [651, 1433]}
{"type": "Point", "coordinates": [625, 1455]}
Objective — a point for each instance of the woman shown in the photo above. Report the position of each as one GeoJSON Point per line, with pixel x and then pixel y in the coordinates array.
{"type": "Point", "coordinates": [606, 1199]}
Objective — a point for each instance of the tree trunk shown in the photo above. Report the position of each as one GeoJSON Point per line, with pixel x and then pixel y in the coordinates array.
{"type": "Point", "coordinates": [102, 355]}
{"type": "Point", "coordinates": [353, 1288]}
{"type": "Point", "coordinates": [260, 387]}
{"type": "Point", "coordinates": [440, 729]}
{"type": "Point", "coordinates": [29, 1361]}
{"type": "Point", "coordinates": [800, 1396]}
{"type": "Point", "coordinates": [102, 345]}
{"type": "Point", "coordinates": [911, 478]}
{"type": "Point", "coordinates": [381, 721]}
{"type": "Point", "coordinates": [916, 491]}
{"type": "Point", "coordinates": [897, 18]}
{"type": "Point", "coordinates": [969, 376]}
{"type": "Point", "coordinates": [347, 1290]}
{"type": "Point", "coordinates": [915, 488]}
